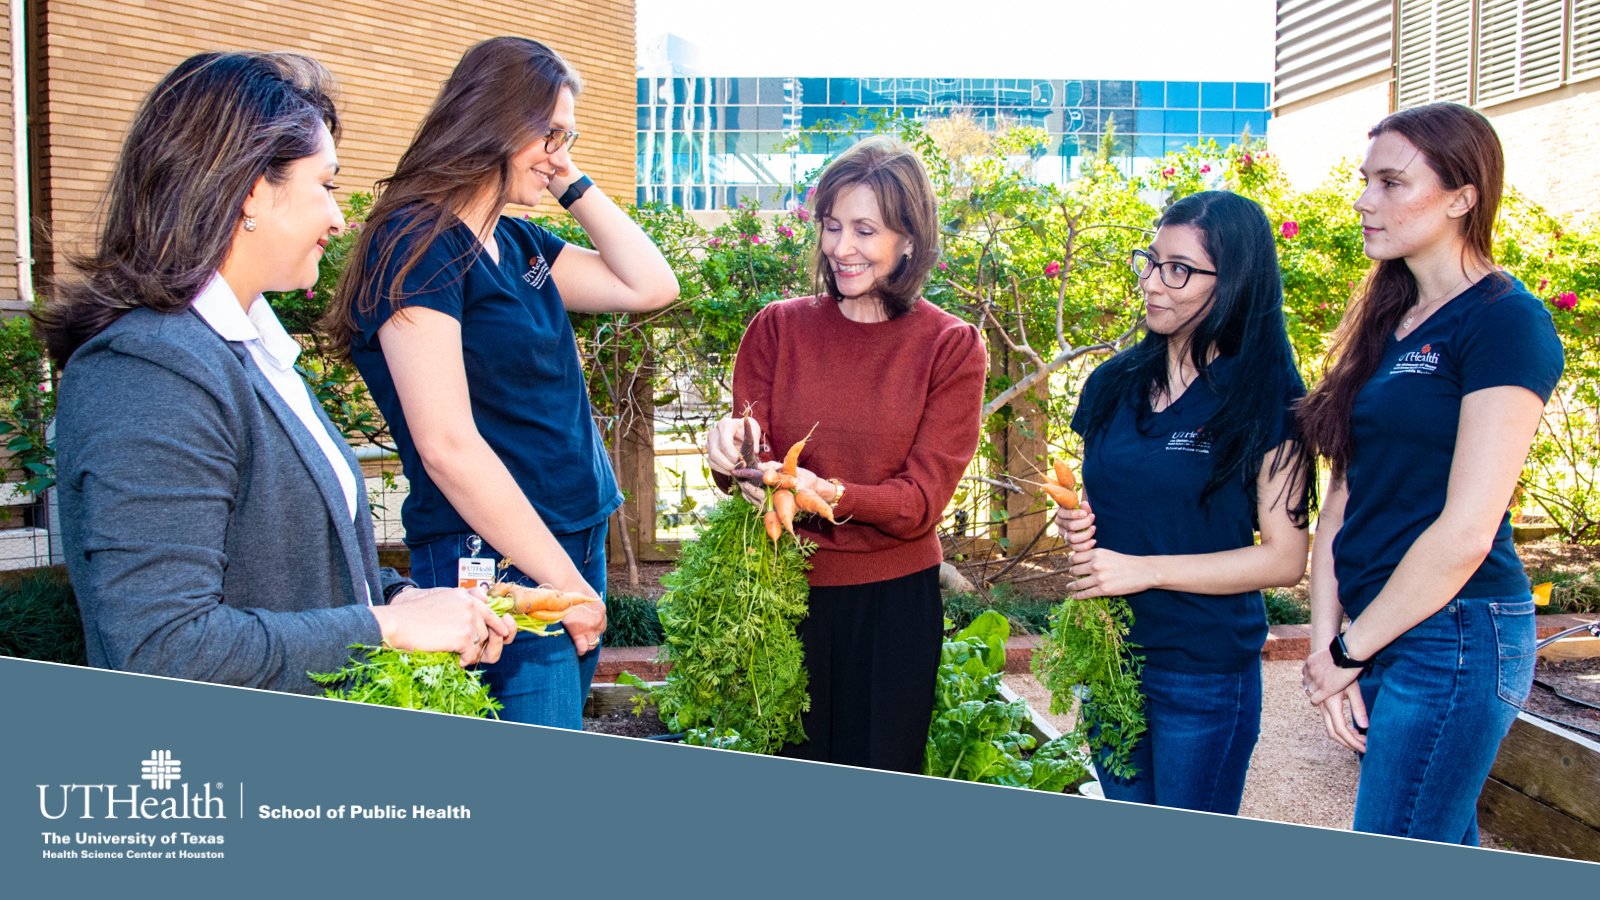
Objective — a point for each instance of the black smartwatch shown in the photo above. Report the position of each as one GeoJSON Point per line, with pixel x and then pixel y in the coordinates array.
{"type": "Point", "coordinates": [574, 191]}
{"type": "Point", "coordinates": [1341, 655]}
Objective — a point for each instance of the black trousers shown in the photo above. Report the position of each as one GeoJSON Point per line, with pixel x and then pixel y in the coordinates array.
{"type": "Point", "coordinates": [872, 651]}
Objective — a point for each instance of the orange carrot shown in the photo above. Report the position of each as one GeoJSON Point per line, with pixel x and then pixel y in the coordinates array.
{"type": "Point", "coordinates": [774, 527]}
{"type": "Point", "coordinates": [547, 604]}
{"type": "Point", "coordinates": [1065, 497]}
{"type": "Point", "coordinates": [812, 502]}
{"type": "Point", "coordinates": [791, 460]}
{"type": "Point", "coordinates": [1064, 475]}
{"type": "Point", "coordinates": [783, 503]}
{"type": "Point", "coordinates": [777, 479]}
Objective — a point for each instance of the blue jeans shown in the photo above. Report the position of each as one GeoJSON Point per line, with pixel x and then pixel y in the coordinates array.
{"type": "Point", "coordinates": [1439, 700]}
{"type": "Point", "coordinates": [1203, 728]}
{"type": "Point", "coordinates": [538, 680]}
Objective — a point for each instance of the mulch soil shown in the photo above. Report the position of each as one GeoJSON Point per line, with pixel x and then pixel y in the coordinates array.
{"type": "Point", "coordinates": [1567, 692]}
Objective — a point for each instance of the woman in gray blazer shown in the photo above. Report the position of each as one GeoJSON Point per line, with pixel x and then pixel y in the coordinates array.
{"type": "Point", "coordinates": [215, 522]}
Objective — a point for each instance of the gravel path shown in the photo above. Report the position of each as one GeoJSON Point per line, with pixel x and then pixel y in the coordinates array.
{"type": "Point", "coordinates": [1298, 774]}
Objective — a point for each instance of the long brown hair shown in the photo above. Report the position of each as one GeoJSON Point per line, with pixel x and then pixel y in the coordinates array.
{"type": "Point", "coordinates": [198, 143]}
{"type": "Point", "coordinates": [1461, 147]}
{"type": "Point", "coordinates": [900, 182]}
{"type": "Point", "coordinates": [498, 99]}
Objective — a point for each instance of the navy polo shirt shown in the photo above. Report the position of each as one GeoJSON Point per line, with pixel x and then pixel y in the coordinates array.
{"type": "Point", "coordinates": [1144, 481]}
{"type": "Point", "coordinates": [528, 395]}
{"type": "Point", "coordinates": [1403, 429]}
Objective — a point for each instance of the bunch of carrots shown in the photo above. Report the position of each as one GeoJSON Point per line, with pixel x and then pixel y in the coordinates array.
{"type": "Point", "coordinates": [785, 497]}
{"type": "Point", "coordinates": [1061, 485]}
{"type": "Point", "coordinates": [534, 609]}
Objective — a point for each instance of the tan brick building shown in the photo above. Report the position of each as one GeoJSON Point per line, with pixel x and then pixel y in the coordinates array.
{"type": "Point", "coordinates": [1531, 66]}
{"type": "Point", "coordinates": [90, 62]}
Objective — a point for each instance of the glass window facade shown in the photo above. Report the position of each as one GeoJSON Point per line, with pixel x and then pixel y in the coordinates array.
{"type": "Point", "coordinates": [705, 143]}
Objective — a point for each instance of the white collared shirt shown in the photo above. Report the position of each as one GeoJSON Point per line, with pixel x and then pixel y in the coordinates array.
{"type": "Point", "coordinates": [274, 353]}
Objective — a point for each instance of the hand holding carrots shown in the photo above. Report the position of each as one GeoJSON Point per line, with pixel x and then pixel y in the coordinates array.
{"type": "Point", "coordinates": [727, 443]}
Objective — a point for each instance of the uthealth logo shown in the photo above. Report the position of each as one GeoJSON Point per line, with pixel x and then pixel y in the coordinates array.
{"type": "Point", "coordinates": [106, 801]}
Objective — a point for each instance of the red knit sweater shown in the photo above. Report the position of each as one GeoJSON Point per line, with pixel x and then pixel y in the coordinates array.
{"type": "Point", "coordinates": [896, 407]}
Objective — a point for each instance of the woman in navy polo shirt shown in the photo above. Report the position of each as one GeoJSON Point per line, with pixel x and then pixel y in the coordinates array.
{"type": "Point", "coordinates": [1188, 444]}
{"type": "Point", "coordinates": [1439, 374]}
{"type": "Point", "coordinates": [456, 316]}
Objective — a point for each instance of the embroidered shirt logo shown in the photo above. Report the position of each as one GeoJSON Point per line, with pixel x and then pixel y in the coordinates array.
{"type": "Point", "coordinates": [1190, 441]}
{"type": "Point", "coordinates": [1417, 362]}
{"type": "Point", "coordinates": [538, 271]}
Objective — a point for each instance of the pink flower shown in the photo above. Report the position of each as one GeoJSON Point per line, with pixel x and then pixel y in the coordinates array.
{"type": "Point", "coordinates": [803, 214]}
{"type": "Point", "coordinates": [1205, 168]}
{"type": "Point", "coordinates": [1246, 160]}
{"type": "Point", "coordinates": [754, 238]}
{"type": "Point", "coordinates": [715, 243]}
{"type": "Point", "coordinates": [1289, 229]}
{"type": "Point", "coordinates": [1052, 269]}
{"type": "Point", "coordinates": [943, 266]}
{"type": "Point", "coordinates": [1168, 172]}
{"type": "Point", "coordinates": [786, 231]}
{"type": "Point", "coordinates": [311, 294]}
{"type": "Point", "coordinates": [1544, 283]}
{"type": "Point", "coordinates": [44, 387]}
{"type": "Point", "coordinates": [1567, 301]}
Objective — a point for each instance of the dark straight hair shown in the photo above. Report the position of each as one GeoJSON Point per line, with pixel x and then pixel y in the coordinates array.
{"type": "Point", "coordinates": [1244, 321]}
{"type": "Point", "coordinates": [1461, 147]}
{"type": "Point", "coordinates": [197, 145]}
{"type": "Point", "coordinates": [498, 99]}
{"type": "Point", "coordinates": [905, 196]}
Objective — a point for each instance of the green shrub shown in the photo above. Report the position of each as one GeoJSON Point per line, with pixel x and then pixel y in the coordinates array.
{"type": "Point", "coordinates": [1026, 614]}
{"type": "Point", "coordinates": [1284, 608]}
{"type": "Point", "coordinates": [39, 618]}
{"type": "Point", "coordinates": [632, 622]}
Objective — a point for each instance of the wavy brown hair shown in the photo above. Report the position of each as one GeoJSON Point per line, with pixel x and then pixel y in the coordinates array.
{"type": "Point", "coordinates": [1461, 147]}
{"type": "Point", "coordinates": [198, 143]}
{"type": "Point", "coordinates": [905, 195]}
{"type": "Point", "coordinates": [498, 99]}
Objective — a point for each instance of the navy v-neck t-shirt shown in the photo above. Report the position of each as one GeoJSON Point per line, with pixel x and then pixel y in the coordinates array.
{"type": "Point", "coordinates": [1403, 430]}
{"type": "Point", "coordinates": [524, 376]}
{"type": "Point", "coordinates": [1144, 480]}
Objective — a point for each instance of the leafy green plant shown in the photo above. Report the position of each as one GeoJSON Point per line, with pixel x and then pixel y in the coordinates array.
{"type": "Point", "coordinates": [1283, 608]}
{"type": "Point", "coordinates": [39, 618]}
{"type": "Point", "coordinates": [1087, 648]}
{"type": "Point", "coordinates": [410, 679]}
{"type": "Point", "coordinates": [1028, 615]}
{"type": "Point", "coordinates": [738, 675]}
{"type": "Point", "coordinates": [27, 403]}
{"type": "Point", "coordinates": [632, 621]}
{"type": "Point", "coordinates": [975, 735]}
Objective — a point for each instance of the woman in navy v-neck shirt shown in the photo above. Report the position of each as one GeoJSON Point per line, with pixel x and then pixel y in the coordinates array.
{"type": "Point", "coordinates": [1439, 374]}
{"type": "Point", "coordinates": [1188, 448]}
{"type": "Point", "coordinates": [456, 316]}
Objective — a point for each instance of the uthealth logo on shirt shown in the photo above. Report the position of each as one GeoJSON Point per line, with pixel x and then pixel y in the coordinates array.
{"type": "Point", "coordinates": [1190, 441]}
{"type": "Point", "coordinates": [1419, 362]}
{"type": "Point", "coordinates": [538, 271]}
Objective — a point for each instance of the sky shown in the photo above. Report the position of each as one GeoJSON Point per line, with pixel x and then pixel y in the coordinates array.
{"type": "Point", "coordinates": [1181, 40]}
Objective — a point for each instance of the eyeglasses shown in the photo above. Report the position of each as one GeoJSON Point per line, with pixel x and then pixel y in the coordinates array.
{"type": "Point", "coordinates": [556, 138]}
{"type": "Point", "coordinates": [1173, 274]}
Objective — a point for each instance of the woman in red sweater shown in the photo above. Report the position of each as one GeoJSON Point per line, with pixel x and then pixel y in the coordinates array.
{"type": "Point", "coordinates": [893, 388]}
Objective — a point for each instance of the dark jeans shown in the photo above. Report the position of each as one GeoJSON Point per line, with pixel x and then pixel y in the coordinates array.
{"type": "Point", "coordinates": [1440, 700]}
{"type": "Point", "coordinates": [1203, 728]}
{"type": "Point", "coordinates": [539, 680]}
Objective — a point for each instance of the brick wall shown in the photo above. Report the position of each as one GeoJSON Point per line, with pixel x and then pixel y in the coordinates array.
{"type": "Point", "coordinates": [98, 59]}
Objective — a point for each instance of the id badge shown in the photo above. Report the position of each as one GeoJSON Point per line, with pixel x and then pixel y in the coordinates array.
{"type": "Point", "coordinates": [474, 571]}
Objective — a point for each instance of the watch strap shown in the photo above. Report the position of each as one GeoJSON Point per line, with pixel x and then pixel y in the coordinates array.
{"type": "Point", "coordinates": [1341, 654]}
{"type": "Point", "coordinates": [574, 191]}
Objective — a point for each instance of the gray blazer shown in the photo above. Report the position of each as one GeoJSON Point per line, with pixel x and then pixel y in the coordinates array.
{"type": "Point", "coordinates": [206, 536]}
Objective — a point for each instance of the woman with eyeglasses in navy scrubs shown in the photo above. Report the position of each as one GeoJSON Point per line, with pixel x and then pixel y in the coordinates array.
{"type": "Point", "coordinates": [1189, 447]}
{"type": "Point", "coordinates": [456, 316]}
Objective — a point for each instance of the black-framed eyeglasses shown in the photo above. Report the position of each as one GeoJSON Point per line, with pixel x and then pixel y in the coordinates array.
{"type": "Point", "coordinates": [557, 138]}
{"type": "Point", "coordinates": [1173, 274]}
